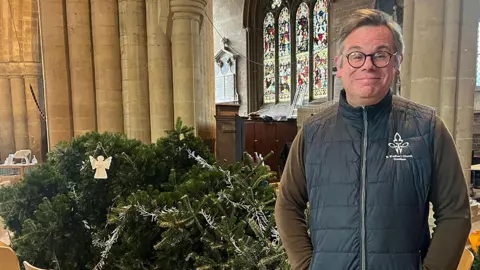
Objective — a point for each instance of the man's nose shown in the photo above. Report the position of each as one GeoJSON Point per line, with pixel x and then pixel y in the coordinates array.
{"type": "Point", "coordinates": [368, 65]}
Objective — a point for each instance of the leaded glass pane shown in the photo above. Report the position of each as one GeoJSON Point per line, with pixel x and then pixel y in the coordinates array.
{"type": "Point", "coordinates": [302, 49]}
{"type": "Point", "coordinates": [320, 49]}
{"type": "Point", "coordinates": [276, 3]}
{"type": "Point", "coordinates": [284, 52]}
{"type": "Point", "coordinates": [269, 58]}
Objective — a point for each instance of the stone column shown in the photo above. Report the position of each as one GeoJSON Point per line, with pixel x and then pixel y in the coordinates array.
{"type": "Point", "coordinates": [16, 40]}
{"type": "Point", "coordinates": [7, 141]}
{"type": "Point", "coordinates": [408, 12]}
{"type": "Point", "coordinates": [108, 73]}
{"type": "Point", "coordinates": [466, 83]}
{"type": "Point", "coordinates": [211, 109]}
{"type": "Point", "coordinates": [427, 51]}
{"type": "Point", "coordinates": [17, 87]}
{"type": "Point", "coordinates": [443, 66]}
{"type": "Point", "coordinates": [32, 73]}
{"type": "Point", "coordinates": [33, 115]}
{"type": "Point", "coordinates": [187, 15]}
{"type": "Point", "coordinates": [201, 92]}
{"type": "Point", "coordinates": [6, 30]}
{"type": "Point", "coordinates": [81, 67]}
{"type": "Point", "coordinates": [205, 100]}
{"type": "Point", "coordinates": [32, 28]}
{"type": "Point", "coordinates": [55, 69]}
{"type": "Point", "coordinates": [27, 22]}
{"type": "Point", "coordinates": [448, 84]}
{"type": "Point", "coordinates": [133, 44]}
{"type": "Point", "coordinates": [160, 74]}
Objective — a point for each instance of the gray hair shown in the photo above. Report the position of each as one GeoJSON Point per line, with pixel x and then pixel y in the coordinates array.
{"type": "Point", "coordinates": [370, 17]}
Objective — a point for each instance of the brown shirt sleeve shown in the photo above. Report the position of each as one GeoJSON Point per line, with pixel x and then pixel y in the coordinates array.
{"type": "Point", "coordinates": [451, 206]}
{"type": "Point", "coordinates": [290, 208]}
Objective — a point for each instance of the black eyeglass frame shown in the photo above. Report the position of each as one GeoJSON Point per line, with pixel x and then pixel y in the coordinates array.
{"type": "Point", "coordinates": [372, 57]}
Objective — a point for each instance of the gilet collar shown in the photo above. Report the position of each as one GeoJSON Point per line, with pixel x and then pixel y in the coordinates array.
{"type": "Point", "coordinates": [373, 111]}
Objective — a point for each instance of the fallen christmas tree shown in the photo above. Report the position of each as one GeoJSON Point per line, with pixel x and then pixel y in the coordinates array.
{"type": "Point", "coordinates": [166, 205]}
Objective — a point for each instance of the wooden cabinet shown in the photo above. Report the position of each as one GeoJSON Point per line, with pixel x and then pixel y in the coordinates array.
{"type": "Point", "coordinates": [263, 137]}
{"type": "Point", "coordinates": [225, 135]}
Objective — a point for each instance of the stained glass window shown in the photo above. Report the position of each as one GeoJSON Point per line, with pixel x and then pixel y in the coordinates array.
{"type": "Point", "coordinates": [279, 30]}
{"type": "Point", "coordinates": [269, 58]}
{"type": "Point", "coordinates": [285, 55]}
{"type": "Point", "coordinates": [276, 3]}
{"type": "Point", "coordinates": [302, 49]}
{"type": "Point", "coordinates": [320, 49]}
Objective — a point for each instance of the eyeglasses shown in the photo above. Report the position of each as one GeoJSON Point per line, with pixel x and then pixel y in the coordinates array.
{"type": "Point", "coordinates": [379, 59]}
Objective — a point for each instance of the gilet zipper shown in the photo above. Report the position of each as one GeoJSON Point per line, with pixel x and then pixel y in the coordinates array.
{"type": "Point", "coordinates": [363, 188]}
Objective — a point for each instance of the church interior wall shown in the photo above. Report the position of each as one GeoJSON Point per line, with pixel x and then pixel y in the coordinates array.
{"type": "Point", "coordinates": [437, 66]}
{"type": "Point", "coordinates": [20, 67]}
{"type": "Point", "coordinates": [234, 19]}
{"type": "Point", "coordinates": [127, 66]}
{"type": "Point", "coordinates": [228, 19]}
{"type": "Point", "coordinates": [104, 65]}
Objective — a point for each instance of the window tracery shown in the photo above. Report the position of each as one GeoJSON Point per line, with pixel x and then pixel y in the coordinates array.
{"type": "Point", "coordinates": [287, 57]}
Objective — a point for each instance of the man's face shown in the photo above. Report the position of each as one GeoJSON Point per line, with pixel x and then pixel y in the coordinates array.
{"type": "Point", "coordinates": [367, 84]}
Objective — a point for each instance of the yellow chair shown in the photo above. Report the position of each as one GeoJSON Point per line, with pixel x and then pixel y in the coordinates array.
{"type": "Point", "coordinates": [466, 260]}
{"type": "Point", "coordinates": [30, 267]}
{"type": "Point", "coordinates": [8, 259]}
{"type": "Point", "coordinates": [474, 240]}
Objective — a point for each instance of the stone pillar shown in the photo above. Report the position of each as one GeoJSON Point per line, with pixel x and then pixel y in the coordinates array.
{"type": "Point", "coordinates": [205, 102]}
{"type": "Point", "coordinates": [7, 141]}
{"type": "Point", "coordinates": [55, 69]}
{"type": "Point", "coordinates": [160, 75]}
{"type": "Point", "coordinates": [16, 40]}
{"type": "Point", "coordinates": [108, 73]}
{"type": "Point", "coordinates": [33, 115]}
{"type": "Point", "coordinates": [443, 65]}
{"type": "Point", "coordinates": [448, 86]}
{"type": "Point", "coordinates": [19, 110]}
{"type": "Point", "coordinates": [27, 22]}
{"type": "Point", "coordinates": [200, 91]}
{"type": "Point", "coordinates": [427, 51]}
{"type": "Point", "coordinates": [133, 43]}
{"type": "Point", "coordinates": [210, 122]}
{"type": "Point", "coordinates": [187, 15]}
{"type": "Point", "coordinates": [466, 83]}
{"type": "Point", "coordinates": [405, 76]}
{"type": "Point", "coordinates": [6, 30]}
{"type": "Point", "coordinates": [32, 73]}
{"type": "Point", "coordinates": [31, 46]}
{"type": "Point", "coordinates": [81, 67]}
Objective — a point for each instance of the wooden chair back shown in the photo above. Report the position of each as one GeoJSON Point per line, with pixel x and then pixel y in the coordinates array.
{"type": "Point", "coordinates": [8, 259]}
{"type": "Point", "coordinates": [30, 267]}
{"type": "Point", "coordinates": [466, 261]}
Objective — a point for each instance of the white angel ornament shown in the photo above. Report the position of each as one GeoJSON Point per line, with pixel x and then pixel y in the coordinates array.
{"type": "Point", "coordinates": [100, 165]}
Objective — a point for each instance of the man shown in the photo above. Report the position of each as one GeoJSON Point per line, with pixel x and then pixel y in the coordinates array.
{"type": "Point", "coordinates": [368, 166]}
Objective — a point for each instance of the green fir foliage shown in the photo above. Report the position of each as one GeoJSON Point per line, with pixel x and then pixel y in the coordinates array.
{"type": "Point", "coordinates": [165, 205]}
{"type": "Point", "coordinates": [476, 261]}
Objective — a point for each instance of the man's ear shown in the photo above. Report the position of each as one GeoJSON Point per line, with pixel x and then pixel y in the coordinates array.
{"type": "Point", "coordinates": [399, 60]}
{"type": "Point", "coordinates": [338, 64]}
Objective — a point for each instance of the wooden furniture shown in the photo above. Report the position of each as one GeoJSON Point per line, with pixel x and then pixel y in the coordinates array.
{"type": "Point", "coordinates": [262, 137]}
{"type": "Point", "coordinates": [8, 259]}
{"type": "Point", "coordinates": [466, 261]}
{"type": "Point", "coordinates": [11, 174]}
{"type": "Point", "coordinates": [225, 134]}
{"type": "Point", "coordinates": [30, 267]}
